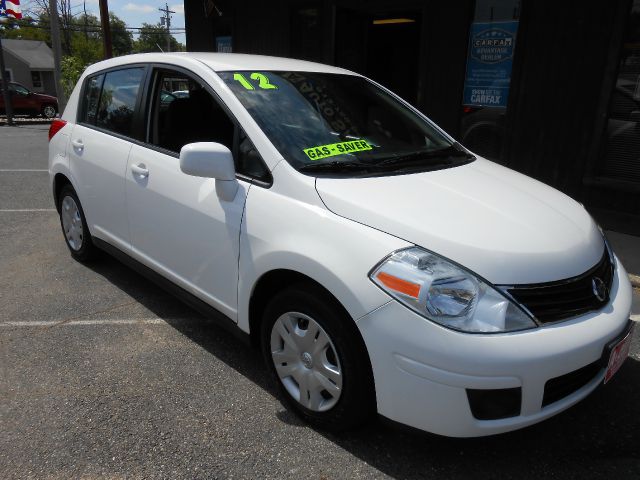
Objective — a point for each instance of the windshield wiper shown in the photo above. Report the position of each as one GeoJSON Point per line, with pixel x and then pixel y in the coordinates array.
{"type": "Point", "coordinates": [337, 166]}
{"type": "Point", "coordinates": [443, 156]}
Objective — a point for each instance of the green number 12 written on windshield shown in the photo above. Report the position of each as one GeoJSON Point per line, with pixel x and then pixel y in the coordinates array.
{"type": "Point", "coordinates": [263, 81]}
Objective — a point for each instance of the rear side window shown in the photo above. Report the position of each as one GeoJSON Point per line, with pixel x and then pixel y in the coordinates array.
{"type": "Point", "coordinates": [90, 99]}
{"type": "Point", "coordinates": [118, 100]}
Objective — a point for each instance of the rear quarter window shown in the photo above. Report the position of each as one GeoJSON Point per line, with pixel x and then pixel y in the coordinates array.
{"type": "Point", "coordinates": [90, 98]}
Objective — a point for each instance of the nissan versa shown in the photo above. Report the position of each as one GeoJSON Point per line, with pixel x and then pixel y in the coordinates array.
{"type": "Point", "coordinates": [380, 265]}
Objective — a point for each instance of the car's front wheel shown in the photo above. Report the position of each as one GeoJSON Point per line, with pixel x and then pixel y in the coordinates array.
{"type": "Point", "coordinates": [317, 358]}
{"type": "Point", "coordinates": [74, 225]}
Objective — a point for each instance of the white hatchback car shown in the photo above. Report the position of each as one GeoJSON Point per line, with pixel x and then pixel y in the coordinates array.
{"type": "Point", "coordinates": [380, 265]}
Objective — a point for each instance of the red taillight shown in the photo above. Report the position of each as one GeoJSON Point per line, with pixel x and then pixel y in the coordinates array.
{"type": "Point", "coordinates": [55, 127]}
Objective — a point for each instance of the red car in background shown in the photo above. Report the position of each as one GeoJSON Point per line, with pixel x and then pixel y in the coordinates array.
{"type": "Point", "coordinates": [26, 102]}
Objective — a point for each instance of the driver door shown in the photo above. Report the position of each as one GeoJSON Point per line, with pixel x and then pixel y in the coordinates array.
{"type": "Point", "coordinates": [21, 100]}
{"type": "Point", "coordinates": [179, 226]}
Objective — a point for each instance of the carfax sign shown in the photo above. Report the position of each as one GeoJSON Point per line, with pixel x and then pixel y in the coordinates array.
{"type": "Point", "coordinates": [491, 47]}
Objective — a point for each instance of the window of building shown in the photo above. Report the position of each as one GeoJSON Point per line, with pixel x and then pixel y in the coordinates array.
{"type": "Point", "coordinates": [306, 33]}
{"type": "Point", "coordinates": [492, 45]}
{"type": "Point", "coordinates": [621, 157]}
{"type": "Point", "coordinates": [36, 80]}
{"type": "Point", "coordinates": [118, 100]}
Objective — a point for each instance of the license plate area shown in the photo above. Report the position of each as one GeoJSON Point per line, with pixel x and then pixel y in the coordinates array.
{"type": "Point", "coordinates": [618, 353]}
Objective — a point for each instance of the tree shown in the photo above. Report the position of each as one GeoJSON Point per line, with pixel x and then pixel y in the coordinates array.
{"type": "Point", "coordinates": [41, 7]}
{"type": "Point", "coordinates": [121, 38]}
{"type": "Point", "coordinates": [83, 33]}
{"type": "Point", "coordinates": [25, 29]}
{"type": "Point", "coordinates": [71, 68]}
{"type": "Point", "coordinates": [153, 38]}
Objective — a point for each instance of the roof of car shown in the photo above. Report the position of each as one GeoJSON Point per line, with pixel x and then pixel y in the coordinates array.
{"type": "Point", "coordinates": [225, 62]}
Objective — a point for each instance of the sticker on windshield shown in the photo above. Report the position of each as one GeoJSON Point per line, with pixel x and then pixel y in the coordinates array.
{"type": "Point", "coordinates": [263, 81]}
{"type": "Point", "coordinates": [333, 149]}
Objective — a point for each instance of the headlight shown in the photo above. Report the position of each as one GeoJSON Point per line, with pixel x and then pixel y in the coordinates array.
{"type": "Point", "coordinates": [447, 294]}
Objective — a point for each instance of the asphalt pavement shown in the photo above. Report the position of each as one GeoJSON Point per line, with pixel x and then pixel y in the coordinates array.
{"type": "Point", "coordinates": [103, 375]}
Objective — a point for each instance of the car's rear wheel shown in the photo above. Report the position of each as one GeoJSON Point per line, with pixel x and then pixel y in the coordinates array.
{"type": "Point", "coordinates": [49, 111]}
{"type": "Point", "coordinates": [74, 225]}
{"type": "Point", "coordinates": [317, 358]}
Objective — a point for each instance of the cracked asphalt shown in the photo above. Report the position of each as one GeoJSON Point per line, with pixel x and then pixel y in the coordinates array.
{"type": "Point", "coordinates": [103, 375]}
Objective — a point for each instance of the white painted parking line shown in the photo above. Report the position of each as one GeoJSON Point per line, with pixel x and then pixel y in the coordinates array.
{"type": "Point", "coordinates": [23, 170]}
{"type": "Point", "coordinates": [27, 209]}
{"type": "Point", "coordinates": [635, 318]}
{"type": "Point", "coordinates": [72, 323]}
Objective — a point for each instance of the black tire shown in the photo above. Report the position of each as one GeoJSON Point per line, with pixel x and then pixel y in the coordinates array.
{"type": "Point", "coordinates": [87, 250]}
{"type": "Point", "coordinates": [356, 402]}
{"type": "Point", "coordinates": [49, 111]}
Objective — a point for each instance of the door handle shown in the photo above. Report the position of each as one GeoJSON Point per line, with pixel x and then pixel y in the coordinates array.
{"type": "Point", "coordinates": [140, 170]}
{"type": "Point", "coordinates": [77, 144]}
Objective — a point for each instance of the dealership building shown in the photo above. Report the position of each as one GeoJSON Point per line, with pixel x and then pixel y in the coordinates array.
{"type": "Point", "coordinates": [548, 88]}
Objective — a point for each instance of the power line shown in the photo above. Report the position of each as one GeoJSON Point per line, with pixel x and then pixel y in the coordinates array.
{"type": "Point", "coordinates": [95, 29]}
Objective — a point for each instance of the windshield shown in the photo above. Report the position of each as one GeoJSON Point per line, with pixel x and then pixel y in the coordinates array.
{"type": "Point", "coordinates": [326, 122]}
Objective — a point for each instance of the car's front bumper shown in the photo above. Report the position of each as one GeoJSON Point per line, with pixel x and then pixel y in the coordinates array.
{"type": "Point", "coordinates": [422, 371]}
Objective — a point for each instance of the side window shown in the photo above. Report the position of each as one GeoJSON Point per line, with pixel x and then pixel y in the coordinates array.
{"type": "Point", "coordinates": [118, 100]}
{"type": "Point", "coordinates": [20, 90]}
{"type": "Point", "coordinates": [90, 99]}
{"type": "Point", "coordinates": [183, 111]}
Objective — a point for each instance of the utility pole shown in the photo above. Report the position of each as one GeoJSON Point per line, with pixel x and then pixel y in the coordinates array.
{"type": "Point", "coordinates": [8, 109]}
{"type": "Point", "coordinates": [57, 53]}
{"type": "Point", "coordinates": [106, 29]}
{"type": "Point", "coordinates": [166, 20]}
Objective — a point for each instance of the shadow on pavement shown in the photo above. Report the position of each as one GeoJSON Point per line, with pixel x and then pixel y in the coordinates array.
{"type": "Point", "coordinates": [597, 438]}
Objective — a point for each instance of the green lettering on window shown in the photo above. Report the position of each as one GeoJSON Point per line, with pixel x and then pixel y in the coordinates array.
{"type": "Point", "coordinates": [263, 81]}
{"type": "Point", "coordinates": [243, 81]}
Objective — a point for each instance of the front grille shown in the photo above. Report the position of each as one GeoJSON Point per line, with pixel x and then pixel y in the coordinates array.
{"type": "Point", "coordinates": [564, 385]}
{"type": "Point", "coordinates": [553, 301]}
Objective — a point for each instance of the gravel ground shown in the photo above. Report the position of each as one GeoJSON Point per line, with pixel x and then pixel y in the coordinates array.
{"type": "Point", "coordinates": [104, 375]}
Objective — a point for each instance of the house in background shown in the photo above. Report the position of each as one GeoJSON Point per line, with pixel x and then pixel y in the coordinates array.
{"type": "Point", "coordinates": [30, 62]}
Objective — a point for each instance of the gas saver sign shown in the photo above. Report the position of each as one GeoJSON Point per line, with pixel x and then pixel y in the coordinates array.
{"type": "Point", "coordinates": [489, 61]}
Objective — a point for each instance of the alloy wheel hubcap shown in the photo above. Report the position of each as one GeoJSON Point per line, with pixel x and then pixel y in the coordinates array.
{"type": "Point", "coordinates": [72, 223]}
{"type": "Point", "coordinates": [49, 112]}
{"type": "Point", "coordinates": [306, 361]}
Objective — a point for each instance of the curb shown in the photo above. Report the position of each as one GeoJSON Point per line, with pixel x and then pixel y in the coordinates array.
{"type": "Point", "coordinates": [635, 280]}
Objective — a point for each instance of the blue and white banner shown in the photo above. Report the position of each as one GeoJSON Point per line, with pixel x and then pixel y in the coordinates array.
{"type": "Point", "coordinates": [489, 62]}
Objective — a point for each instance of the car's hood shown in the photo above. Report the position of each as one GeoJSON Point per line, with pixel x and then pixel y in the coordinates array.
{"type": "Point", "coordinates": [506, 227]}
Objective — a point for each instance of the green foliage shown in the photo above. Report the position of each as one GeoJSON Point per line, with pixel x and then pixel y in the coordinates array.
{"type": "Point", "coordinates": [121, 38]}
{"type": "Point", "coordinates": [81, 36]}
{"type": "Point", "coordinates": [153, 38]}
{"type": "Point", "coordinates": [25, 29]}
{"type": "Point", "coordinates": [71, 69]}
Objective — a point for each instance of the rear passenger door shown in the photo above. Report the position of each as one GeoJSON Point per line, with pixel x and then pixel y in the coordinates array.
{"type": "Point", "coordinates": [100, 144]}
{"type": "Point", "coordinates": [179, 226]}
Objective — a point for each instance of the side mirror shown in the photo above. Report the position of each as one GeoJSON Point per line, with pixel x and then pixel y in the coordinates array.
{"type": "Point", "coordinates": [211, 160]}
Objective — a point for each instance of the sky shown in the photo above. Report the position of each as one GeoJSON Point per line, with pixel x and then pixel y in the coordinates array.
{"type": "Point", "coordinates": [134, 13]}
